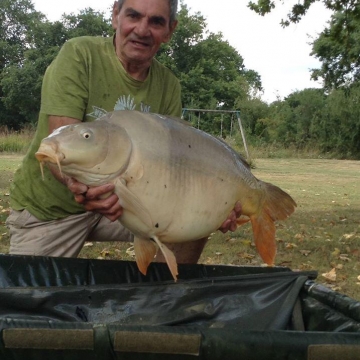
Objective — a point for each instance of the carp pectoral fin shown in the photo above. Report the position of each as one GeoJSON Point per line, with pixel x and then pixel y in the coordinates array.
{"type": "Point", "coordinates": [131, 202]}
{"type": "Point", "coordinates": [145, 251]}
{"type": "Point", "coordinates": [264, 236]}
{"type": "Point", "coordinates": [169, 257]}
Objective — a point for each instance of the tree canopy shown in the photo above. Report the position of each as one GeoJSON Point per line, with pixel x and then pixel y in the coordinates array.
{"type": "Point", "coordinates": [338, 45]}
{"type": "Point", "coordinates": [212, 73]}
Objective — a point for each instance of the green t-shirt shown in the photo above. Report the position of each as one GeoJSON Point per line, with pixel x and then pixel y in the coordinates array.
{"type": "Point", "coordinates": [85, 80]}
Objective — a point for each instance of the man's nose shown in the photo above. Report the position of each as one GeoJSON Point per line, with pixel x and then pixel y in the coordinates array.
{"type": "Point", "coordinates": [142, 28]}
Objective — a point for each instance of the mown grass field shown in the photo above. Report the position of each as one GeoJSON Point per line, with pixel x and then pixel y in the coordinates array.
{"type": "Point", "coordinates": [323, 234]}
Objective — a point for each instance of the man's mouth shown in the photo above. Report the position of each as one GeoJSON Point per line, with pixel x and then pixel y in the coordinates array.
{"type": "Point", "coordinates": [142, 43]}
{"type": "Point", "coordinates": [138, 43]}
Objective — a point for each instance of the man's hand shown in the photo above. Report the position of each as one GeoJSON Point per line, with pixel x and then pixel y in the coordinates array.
{"type": "Point", "coordinates": [230, 223]}
{"type": "Point", "coordinates": [100, 199]}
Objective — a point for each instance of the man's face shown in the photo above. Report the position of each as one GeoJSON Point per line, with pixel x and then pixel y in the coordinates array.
{"type": "Point", "coordinates": [141, 27]}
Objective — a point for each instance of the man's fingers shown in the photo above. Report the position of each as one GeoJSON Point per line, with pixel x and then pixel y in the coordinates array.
{"type": "Point", "coordinates": [99, 191]}
{"type": "Point", "coordinates": [238, 209]}
{"type": "Point", "coordinates": [101, 204]}
{"type": "Point", "coordinates": [76, 187]}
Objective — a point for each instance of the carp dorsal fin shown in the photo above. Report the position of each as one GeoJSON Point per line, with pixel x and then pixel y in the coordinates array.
{"type": "Point", "coordinates": [132, 203]}
{"type": "Point", "coordinates": [169, 257]}
{"type": "Point", "coordinates": [145, 251]}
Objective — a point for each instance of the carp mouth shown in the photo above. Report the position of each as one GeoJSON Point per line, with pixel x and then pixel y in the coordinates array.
{"type": "Point", "coordinates": [49, 157]}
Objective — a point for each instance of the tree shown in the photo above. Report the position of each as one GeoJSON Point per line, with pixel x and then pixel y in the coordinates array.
{"type": "Point", "coordinates": [35, 42]}
{"type": "Point", "coordinates": [337, 47]}
{"type": "Point", "coordinates": [87, 23]}
{"type": "Point", "coordinates": [211, 71]}
{"type": "Point", "coordinates": [300, 9]}
{"type": "Point", "coordinates": [18, 22]}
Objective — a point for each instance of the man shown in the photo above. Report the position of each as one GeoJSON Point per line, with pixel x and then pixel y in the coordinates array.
{"type": "Point", "coordinates": [92, 75]}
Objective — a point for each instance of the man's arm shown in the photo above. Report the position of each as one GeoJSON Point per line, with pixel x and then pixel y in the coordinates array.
{"type": "Point", "coordinates": [89, 197]}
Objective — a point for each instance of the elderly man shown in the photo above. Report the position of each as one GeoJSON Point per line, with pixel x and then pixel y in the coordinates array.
{"type": "Point", "coordinates": [92, 75]}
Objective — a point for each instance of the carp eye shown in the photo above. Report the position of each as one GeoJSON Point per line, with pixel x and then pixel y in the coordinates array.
{"type": "Point", "coordinates": [86, 134]}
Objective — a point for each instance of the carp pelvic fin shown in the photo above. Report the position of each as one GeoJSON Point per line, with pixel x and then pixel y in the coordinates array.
{"type": "Point", "coordinates": [145, 251]}
{"type": "Point", "coordinates": [169, 257]}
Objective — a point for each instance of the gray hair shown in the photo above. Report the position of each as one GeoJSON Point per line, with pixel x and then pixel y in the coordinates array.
{"type": "Point", "coordinates": [172, 3]}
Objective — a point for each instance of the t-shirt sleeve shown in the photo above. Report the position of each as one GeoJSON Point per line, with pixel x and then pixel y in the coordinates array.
{"type": "Point", "coordinates": [174, 105]}
{"type": "Point", "coordinates": [65, 89]}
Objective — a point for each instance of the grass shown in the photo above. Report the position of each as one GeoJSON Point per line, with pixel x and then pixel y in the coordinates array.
{"type": "Point", "coordinates": [15, 142]}
{"type": "Point", "coordinates": [323, 234]}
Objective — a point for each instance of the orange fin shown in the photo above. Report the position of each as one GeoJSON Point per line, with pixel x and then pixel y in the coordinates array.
{"type": "Point", "coordinates": [277, 205]}
{"type": "Point", "coordinates": [242, 220]}
{"type": "Point", "coordinates": [145, 251]}
{"type": "Point", "coordinates": [169, 257]}
{"type": "Point", "coordinates": [264, 237]}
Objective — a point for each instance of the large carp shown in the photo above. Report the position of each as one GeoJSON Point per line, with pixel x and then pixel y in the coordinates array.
{"type": "Point", "coordinates": [175, 183]}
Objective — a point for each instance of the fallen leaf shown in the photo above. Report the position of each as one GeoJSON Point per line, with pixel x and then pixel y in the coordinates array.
{"type": "Point", "coordinates": [247, 256]}
{"type": "Point", "coordinates": [344, 257]}
{"type": "Point", "coordinates": [88, 244]}
{"type": "Point", "coordinates": [331, 275]}
{"type": "Point", "coordinates": [290, 246]}
{"type": "Point", "coordinates": [356, 252]}
{"type": "Point", "coordinates": [334, 287]}
{"type": "Point", "coordinates": [105, 253]}
{"type": "Point", "coordinates": [336, 252]}
{"type": "Point", "coordinates": [305, 252]}
{"type": "Point", "coordinates": [285, 263]}
{"type": "Point", "coordinates": [130, 251]}
{"type": "Point", "coordinates": [246, 242]}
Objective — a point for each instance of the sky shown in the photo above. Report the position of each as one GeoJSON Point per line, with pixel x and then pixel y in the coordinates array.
{"type": "Point", "coordinates": [281, 56]}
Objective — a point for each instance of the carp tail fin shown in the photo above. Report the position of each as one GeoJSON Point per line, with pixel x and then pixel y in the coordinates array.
{"type": "Point", "coordinates": [278, 205]}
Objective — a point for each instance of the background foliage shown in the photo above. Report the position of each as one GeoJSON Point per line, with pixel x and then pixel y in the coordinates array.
{"type": "Point", "coordinates": [212, 73]}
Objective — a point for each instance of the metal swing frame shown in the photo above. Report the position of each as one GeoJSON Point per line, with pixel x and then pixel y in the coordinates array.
{"type": "Point", "coordinates": [234, 112]}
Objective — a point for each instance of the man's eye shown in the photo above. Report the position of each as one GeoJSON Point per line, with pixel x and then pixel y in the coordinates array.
{"type": "Point", "coordinates": [131, 15]}
{"type": "Point", "coordinates": [158, 22]}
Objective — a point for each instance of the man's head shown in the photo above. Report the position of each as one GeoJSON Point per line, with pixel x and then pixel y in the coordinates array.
{"type": "Point", "coordinates": [141, 27]}
{"type": "Point", "coordinates": [173, 4]}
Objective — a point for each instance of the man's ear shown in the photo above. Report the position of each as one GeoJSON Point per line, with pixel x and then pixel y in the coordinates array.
{"type": "Point", "coordinates": [115, 13]}
{"type": "Point", "coordinates": [173, 26]}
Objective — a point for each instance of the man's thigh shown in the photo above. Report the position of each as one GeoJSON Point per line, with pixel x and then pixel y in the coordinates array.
{"type": "Point", "coordinates": [106, 230]}
{"type": "Point", "coordinates": [63, 237]}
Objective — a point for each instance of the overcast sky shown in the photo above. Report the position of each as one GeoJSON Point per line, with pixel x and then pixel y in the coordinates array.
{"type": "Point", "coordinates": [280, 56]}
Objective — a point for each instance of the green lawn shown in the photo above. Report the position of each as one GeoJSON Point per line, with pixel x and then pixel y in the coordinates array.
{"type": "Point", "coordinates": [323, 234]}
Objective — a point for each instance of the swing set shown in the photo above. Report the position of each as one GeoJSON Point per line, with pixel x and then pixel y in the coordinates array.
{"type": "Point", "coordinates": [222, 112]}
